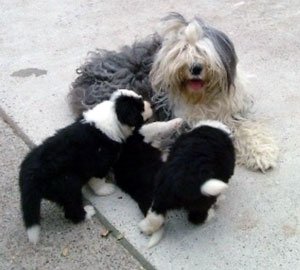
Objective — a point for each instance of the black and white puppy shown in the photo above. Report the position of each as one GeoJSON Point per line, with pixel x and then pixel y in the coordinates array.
{"type": "Point", "coordinates": [141, 159]}
{"type": "Point", "coordinates": [57, 169]}
{"type": "Point", "coordinates": [196, 172]}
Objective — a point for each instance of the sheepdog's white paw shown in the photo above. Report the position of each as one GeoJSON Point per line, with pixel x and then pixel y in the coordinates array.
{"type": "Point", "coordinates": [256, 148]}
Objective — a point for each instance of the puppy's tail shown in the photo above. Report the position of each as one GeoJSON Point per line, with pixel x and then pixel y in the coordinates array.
{"type": "Point", "coordinates": [213, 187]}
{"type": "Point", "coordinates": [30, 205]}
{"type": "Point", "coordinates": [156, 237]}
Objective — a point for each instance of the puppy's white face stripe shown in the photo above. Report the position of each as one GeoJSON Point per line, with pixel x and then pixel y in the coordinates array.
{"type": "Point", "coordinates": [213, 187]}
{"type": "Point", "coordinates": [104, 117]}
{"type": "Point", "coordinates": [34, 233]}
{"type": "Point", "coordinates": [164, 156]}
{"type": "Point", "coordinates": [215, 124]}
{"type": "Point", "coordinates": [147, 111]}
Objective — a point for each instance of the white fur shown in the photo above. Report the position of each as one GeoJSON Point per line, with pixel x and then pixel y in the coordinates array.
{"type": "Point", "coordinates": [124, 92]}
{"type": "Point", "coordinates": [155, 238]}
{"type": "Point", "coordinates": [105, 119]}
{"type": "Point", "coordinates": [90, 211]}
{"type": "Point", "coordinates": [215, 124]}
{"type": "Point", "coordinates": [34, 233]}
{"type": "Point", "coordinates": [213, 187]}
{"type": "Point", "coordinates": [165, 155]}
{"type": "Point", "coordinates": [255, 147]}
{"type": "Point", "coordinates": [147, 111]}
{"type": "Point", "coordinates": [155, 132]}
{"type": "Point", "coordinates": [211, 214]}
{"type": "Point", "coordinates": [151, 223]}
{"type": "Point", "coordinates": [193, 32]}
{"type": "Point", "coordinates": [100, 187]}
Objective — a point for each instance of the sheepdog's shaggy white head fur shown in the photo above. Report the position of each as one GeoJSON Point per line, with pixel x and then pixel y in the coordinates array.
{"type": "Point", "coordinates": [196, 65]}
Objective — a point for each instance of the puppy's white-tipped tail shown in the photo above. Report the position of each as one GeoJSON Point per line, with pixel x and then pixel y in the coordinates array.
{"type": "Point", "coordinates": [156, 237]}
{"type": "Point", "coordinates": [213, 187]}
{"type": "Point", "coordinates": [34, 233]}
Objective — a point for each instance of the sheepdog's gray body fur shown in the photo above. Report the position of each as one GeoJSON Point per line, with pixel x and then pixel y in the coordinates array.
{"type": "Point", "coordinates": [106, 71]}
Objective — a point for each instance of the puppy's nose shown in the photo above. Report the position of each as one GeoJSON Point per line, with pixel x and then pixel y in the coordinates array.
{"type": "Point", "coordinates": [196, 69]}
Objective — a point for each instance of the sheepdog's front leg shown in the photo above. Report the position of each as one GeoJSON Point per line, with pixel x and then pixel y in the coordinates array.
{"type": "Point", "coordinates": [255, 147]}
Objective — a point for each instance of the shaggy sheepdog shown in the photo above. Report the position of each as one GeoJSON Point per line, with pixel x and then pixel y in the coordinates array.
{"type": "Point", "coordinates": [197, 170]}
{"type": "Point", "coordinates": [140, 160]}
{"type": "Point", "coordinates": [58, 168]}
{"type": "Point", "coordinates": [187, 69]}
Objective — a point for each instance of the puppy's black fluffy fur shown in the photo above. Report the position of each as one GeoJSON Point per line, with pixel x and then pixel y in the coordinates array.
{"type": "Point", "coordinates": [200, 155]}
{"type": "Point", "coordinates": [58, 168]}
{"type": "Point", "coordinates": [136, 169]}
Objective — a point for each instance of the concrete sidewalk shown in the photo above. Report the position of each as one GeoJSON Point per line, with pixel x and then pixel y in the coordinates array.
{"type": "Point", "coordinates": [257, 226]}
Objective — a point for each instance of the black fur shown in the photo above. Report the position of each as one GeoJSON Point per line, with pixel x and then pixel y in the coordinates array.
{"type": "Point", "coordinates": [58, 168]}
{"type": "Point", "coordinates": [129, 111]}
{"type": "Point", "coordinates": [135, 170]}
{"type": "Point", "coordinates": [197, 156]}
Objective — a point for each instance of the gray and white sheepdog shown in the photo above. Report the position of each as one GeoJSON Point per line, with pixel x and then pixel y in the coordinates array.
{"type": "Point", "coordinates": [187, 69]}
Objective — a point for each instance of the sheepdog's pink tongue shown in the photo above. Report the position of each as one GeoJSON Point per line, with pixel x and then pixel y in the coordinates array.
{"type": "Point", "coordinates": [195, 85]}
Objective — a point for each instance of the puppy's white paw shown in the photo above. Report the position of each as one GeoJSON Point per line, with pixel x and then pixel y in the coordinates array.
{"type": "Point", "coordinates": [210, 215]}
{"type": "Point", "coordinates": [34, 234]}
{"type": "Point", "coordinates": [151, 223]}
{"type": "Point", "coordinates": [90, 211]}
{"type": "Point", "coordinates": [177, 122]}
{"type": "Point", "coordinates": [146, 227]}
{"type": "Point", "coordinates": [156, 237]}
{"type": "Point", "coordinates": [100, 187]}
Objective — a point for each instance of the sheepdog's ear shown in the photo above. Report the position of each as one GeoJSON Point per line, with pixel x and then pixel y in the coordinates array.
{"type": "Point", "coordinates": [129, 110]}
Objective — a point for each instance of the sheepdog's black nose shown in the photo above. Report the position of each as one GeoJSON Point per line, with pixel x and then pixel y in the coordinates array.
{"type": "Point", "coordinates": [196, 69]}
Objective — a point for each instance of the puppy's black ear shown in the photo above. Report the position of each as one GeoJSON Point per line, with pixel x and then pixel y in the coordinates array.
{"type": "Point", "coordinates": [129, 111]}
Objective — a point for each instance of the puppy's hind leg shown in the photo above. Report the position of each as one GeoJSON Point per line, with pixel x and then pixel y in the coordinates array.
{"type": "Point", "coordinates": [73, 203]}
{"type": "Point", "coordinates": [197, 217]}
{"type": "Point", "coordinates": [73, 207]}
{"type": "Point", "coordinates": [155, 217]}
